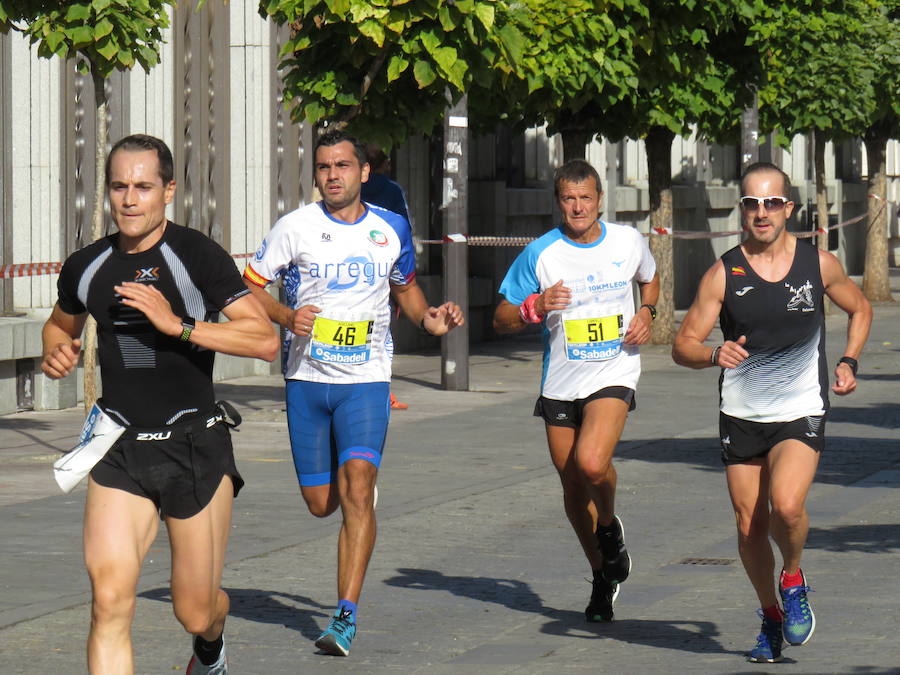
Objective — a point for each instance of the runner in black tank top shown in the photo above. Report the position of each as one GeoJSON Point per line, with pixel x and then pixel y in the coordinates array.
{"type": "Point", "coordinates": [785, 377]}
{"type": "Point", "coordinates": [768, 294]}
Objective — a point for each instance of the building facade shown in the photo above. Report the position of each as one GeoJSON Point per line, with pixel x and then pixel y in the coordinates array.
{"type": "Point", "coordinates": [215, 98]}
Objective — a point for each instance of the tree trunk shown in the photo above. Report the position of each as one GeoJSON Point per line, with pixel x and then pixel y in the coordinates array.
{"type": "Point", "coordinates": [574, 142]}
{"type": "Point", "coordinates": [821, 190]}
{"type": "Point", "coordinates": [97, 230]}
{"type": "Point", "coordinates": [821, 198]}
{"type": "Point", "coordinates": [876, 283]}
{"type": "Point", "coordinates": [659, 165]}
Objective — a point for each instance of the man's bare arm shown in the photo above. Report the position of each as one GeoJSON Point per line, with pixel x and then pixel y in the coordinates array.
{"type": "Point", "coordinates": [846, 295]}
{"type": "Point", "coordinates": [61, 343]}
{"type": "Point", "coordinates": [248, 332]}
{"type": "Point", "coordinates": [689, 349]}
{"type": "Point", "coordinates": [436, 320]}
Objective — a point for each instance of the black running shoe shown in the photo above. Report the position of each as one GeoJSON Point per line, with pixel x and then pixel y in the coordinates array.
{"type": "Point", "coordinates": [603, 595]}
{"type": "Point", "coordinates": [616, 561]}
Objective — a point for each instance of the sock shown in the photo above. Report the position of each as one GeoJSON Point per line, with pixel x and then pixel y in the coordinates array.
{"type": "Point", "coordinates": [347, 606]}
{"type": "Point", "coordinates": [607, 539]}
{"type": "Point", "coordinates": [612, 528]}
{"type": "Point", "coordinates": [598, 574]}
{"type": "Point", "coordinates": [774, 613]}
{"type": "Point", "coordinates": [208, 652]}
{"type": "Point", "coordinates": [788, 580]}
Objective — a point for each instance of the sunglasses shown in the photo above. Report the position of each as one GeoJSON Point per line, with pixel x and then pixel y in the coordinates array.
{"type": "Point", "coordinates": [771, 203]}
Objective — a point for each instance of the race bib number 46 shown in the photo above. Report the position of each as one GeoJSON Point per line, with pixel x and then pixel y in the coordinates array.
{"type": "Point", "coordinates": [344, 342]}
{"type": "Point", "coordinates": [593, 339]}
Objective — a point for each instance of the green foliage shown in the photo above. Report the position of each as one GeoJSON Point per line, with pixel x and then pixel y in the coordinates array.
{"type": "Point", "coordinates": [110, 34]}
{"type": "Point", "coordinates": [621, 67]}
{"type": "Point", "coordinates": [386, 67]}
{"type": "Point", "coordinates": [826, 64]}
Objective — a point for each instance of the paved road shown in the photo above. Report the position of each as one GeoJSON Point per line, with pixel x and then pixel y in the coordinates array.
{"type": "Point", "coordinates": [476, 569]}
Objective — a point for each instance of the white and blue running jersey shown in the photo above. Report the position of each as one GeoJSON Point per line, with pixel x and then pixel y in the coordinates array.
{"type": "Point", "coordinates": [583, 348]}
{"type": "Point", "coordinates": [345, 270]}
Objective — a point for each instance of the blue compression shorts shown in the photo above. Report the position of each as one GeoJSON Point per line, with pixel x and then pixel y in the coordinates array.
{"type": "Point", "coordinates": [332, 423]}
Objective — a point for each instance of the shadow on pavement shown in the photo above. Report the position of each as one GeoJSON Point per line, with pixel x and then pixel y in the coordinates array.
{"type": "Point", "coordinates": [856, 538]}
{"type": "Point", "coordinates": [846, 459]}
{"type": "Point", "coordinates": [883, 415]}
{"type": "Point", "coordinates": [507, 592]}
{"type": "Point", "coordinates": [295, 612]}
{"type": "Point", "coordinates": [253, 396]}
{"type": "Point", "coordinates": [687, 636]}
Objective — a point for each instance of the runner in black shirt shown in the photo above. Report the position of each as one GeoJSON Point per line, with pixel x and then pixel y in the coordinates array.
{"type": "Point", "coordinates": [155, 290]}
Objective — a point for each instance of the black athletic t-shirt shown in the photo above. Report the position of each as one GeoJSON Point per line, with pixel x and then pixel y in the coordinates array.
{"type": "Point", "coordinates": [786, 376]}
{"type": "Point", "coordinates": [151, 379]}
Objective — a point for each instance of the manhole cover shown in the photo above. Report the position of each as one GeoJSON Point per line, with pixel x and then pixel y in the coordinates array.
{"type": "Point", "coordinates": [706, 561]}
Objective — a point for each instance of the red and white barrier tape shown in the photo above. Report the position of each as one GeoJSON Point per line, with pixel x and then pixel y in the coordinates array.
{"type": "Point", "coordinates": [37, 269]}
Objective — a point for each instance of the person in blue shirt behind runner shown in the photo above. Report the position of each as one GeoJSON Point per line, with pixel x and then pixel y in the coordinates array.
{"type": "Point", "coordinates": [381, 191]}
{"type": "Point", "coordinates": [340, 261]}
{"type": "Point", "coordinates": [577, 282]}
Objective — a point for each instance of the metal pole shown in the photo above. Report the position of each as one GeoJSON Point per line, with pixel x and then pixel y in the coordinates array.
{"type": "Point", "coordinates": [750, 134]}
{"type": "Point", "coordinates": [454, 203]}
{"type": "Point", "coordinates": [6, 216]}
{"type": "Point", "coordinates": [612, 180]}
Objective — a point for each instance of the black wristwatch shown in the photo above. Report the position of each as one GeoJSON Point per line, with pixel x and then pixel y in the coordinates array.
{"type": "Point", "coordinates": [652, 309]}
{"type": "Point", "coordinates": [188, 324]}
{"type": "Point", "coordinates": [853, 363]}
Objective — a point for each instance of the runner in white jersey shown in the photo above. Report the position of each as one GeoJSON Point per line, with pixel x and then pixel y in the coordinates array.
{"type": "Point", "coordinates": [577, 281]}
{"type": "Point", "coordinates": [340, 260]}
{"type": "Point", "coordinates": [768, 294]}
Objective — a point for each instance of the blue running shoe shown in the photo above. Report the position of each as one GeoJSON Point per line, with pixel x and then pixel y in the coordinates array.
{"type": "Point", "coordinates": [799, 620]}
{"type": "Point", "coordinates": [768, 642]}
{"type": "Point", "coordinates": [197, 667]}
{"type": "Point", "coordinates": [337, 637]}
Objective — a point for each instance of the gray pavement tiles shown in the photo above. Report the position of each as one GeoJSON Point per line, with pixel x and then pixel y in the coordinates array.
{"type": "Point", "coordinates": [476, 569]}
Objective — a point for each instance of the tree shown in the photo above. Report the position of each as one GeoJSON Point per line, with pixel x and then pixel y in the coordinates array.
{"type": "Point", "coordinates": [578, 61]}
{"type": "Point", "coordinates": [109, 35]}
{"type": "Point", "coordinates": [640, 68]}
{"type": "Point", "coordinates": [884, 37]}
{"type": "Point", "coordinates": [360, 64]}
{"type": "Point", "coordinates": [692, 76]}
{"type": "Point", "coordinates": [825, 67]}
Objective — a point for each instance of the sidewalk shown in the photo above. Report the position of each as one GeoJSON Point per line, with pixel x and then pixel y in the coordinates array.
{"type": "Point", "coordinates": [476, 568]}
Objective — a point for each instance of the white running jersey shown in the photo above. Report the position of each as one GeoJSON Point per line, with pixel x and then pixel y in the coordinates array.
{"type": "Point", "coordinates": [583, 349]}
{"type": "Point", "coordinates": [345, 270]}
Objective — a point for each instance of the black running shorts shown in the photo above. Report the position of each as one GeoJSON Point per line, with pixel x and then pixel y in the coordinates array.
{"type": "Point", "coordinates": [743, 440]}
{"type": "Point", "coordinates": [571, 413]}
{"type": "Point", "coordinates": [179, 473]}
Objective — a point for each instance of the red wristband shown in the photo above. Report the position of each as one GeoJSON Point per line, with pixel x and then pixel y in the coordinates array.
{"type": "Point", "coordinates": [527, 311]}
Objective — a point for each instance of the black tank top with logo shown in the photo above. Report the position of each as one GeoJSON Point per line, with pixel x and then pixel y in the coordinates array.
{"type": "Point", "coordinates": [785, 377]}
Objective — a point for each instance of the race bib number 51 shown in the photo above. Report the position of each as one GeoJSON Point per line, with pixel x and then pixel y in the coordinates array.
{"type": "Point", "coordinates": [344, 342]}
{"type": "Point", "coordinates": [595, 339]}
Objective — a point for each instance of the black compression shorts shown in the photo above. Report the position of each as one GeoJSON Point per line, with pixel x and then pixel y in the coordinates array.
{"type": "Point", "coordinates": [743, 440]}
{"type": "Point", "coordinates": [571, 413]}
{"type": "Point", "coordinates": [179, 473]}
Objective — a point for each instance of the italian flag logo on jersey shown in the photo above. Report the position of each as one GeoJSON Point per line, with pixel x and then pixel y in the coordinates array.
{"type": "Point", "coordinates": [378, 238]}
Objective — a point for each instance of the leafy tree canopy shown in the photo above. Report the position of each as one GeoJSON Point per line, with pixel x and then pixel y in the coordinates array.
{"type": "Point", "coordinates": [111, 34]}
{"type": "Point", "coordinates": [366, 63]}
{"type": "Point", "coordinates": [825, 64]}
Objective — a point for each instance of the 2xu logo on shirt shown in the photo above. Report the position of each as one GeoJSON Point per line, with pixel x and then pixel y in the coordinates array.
{"type": "Point", "coordinates": [166, 435]}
